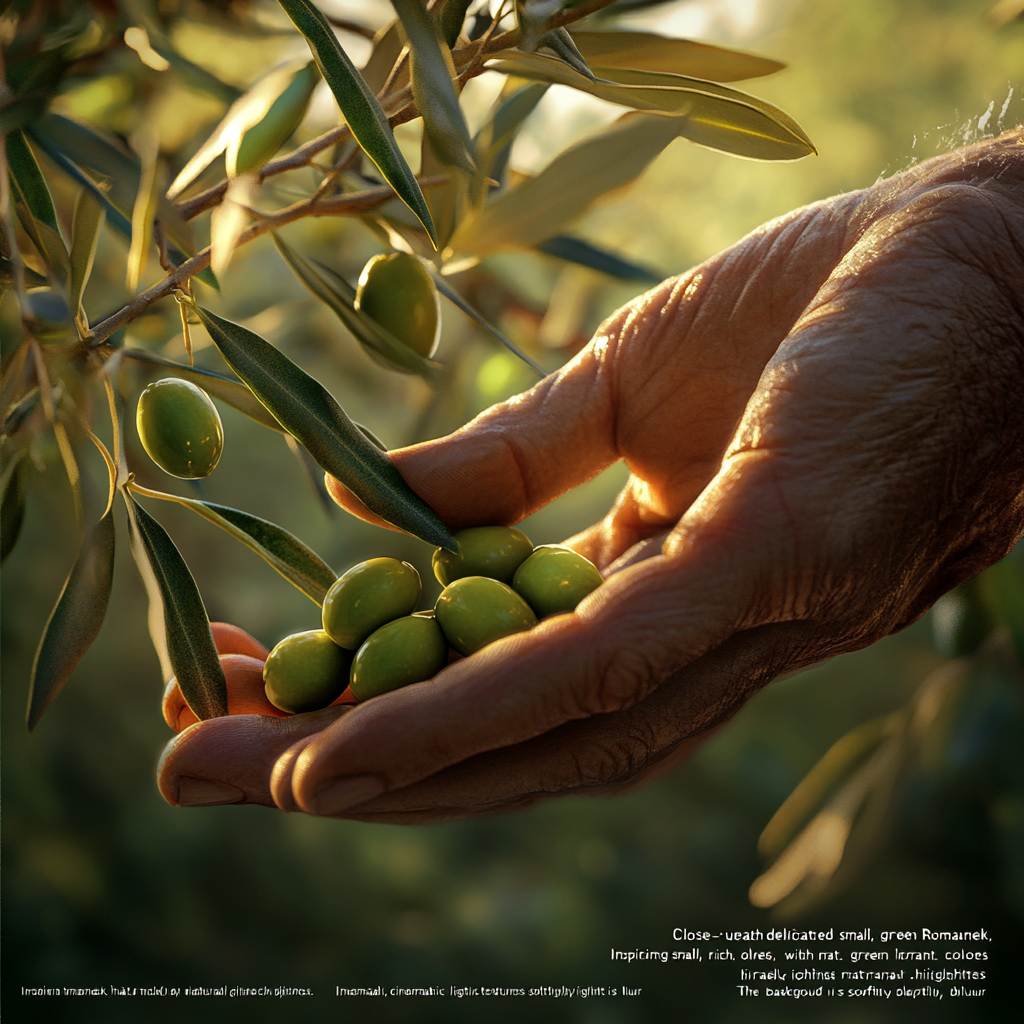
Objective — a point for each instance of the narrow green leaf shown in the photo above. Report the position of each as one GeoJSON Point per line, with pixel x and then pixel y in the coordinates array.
{"type": "Point", "coordinates": [117, 220]}
{"type": "Point", "coordinates": [112, 168]}
{"type": "Point", "coordinates": [75, 620]}
{"type": "Point", "coordinates": [561, 44]}
{"type": "Point", "coordinates": [311, 415]}
{"type": "Point", "coordinates": [460, 303]}
{"type": "Point", "coordinates": [178, 618]}
{"type": "Point", "coordinates": [432, 75]}
{"type": "Point", "coordinates": [297, 563]}
{"type": "Point", "coordinates": [534, 211]}
{"type": "Point", "coordinates": [576, 250]}
{"type": "Point", "coordinates": [275, 102]}
{"type": "Point", "coordinates": [739, 113]}
{"type": "Point", "coordinates": [838, 763]}
{"type": "Point", "coordinates": [89, 216]}
{"type": "Point", "coordinates": [717, 116]}
{"type": "Point", "coordinates": [335, 292]}
{"type": "Point", "coordinates": [33, 205]}
{"type": "Point", "coordinates": [32, 186]}
{"type": "Point", "coordinates": [447, 202]}
{"type": "Point", "coordinates": [264, 139]}
{"type": "Point", "coordinates": [230, 391]}
{"type": "Point", "coordinates": [493, 142]}
{"type": "Point", "coordinates": [21, 412]}
{"type": "Point", "coordinates": [646, 51]}
{"type": "Point", "coordinates": [12, 506]}
{"type": "Point", "coordinates": [359, 106]}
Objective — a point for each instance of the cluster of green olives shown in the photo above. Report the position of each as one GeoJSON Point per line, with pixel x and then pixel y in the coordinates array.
{"type": "Point", "coordinates": [373, 641]}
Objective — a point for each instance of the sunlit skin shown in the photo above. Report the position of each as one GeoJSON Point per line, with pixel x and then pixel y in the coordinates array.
{"type": "Point", "coordinates": [824, 429]}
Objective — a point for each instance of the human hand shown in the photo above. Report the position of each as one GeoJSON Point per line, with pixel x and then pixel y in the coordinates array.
{"type": "Point", "coordinates": [824, 433]}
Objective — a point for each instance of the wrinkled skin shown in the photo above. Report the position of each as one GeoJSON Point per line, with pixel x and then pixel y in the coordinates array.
{"type": "Point", "coordinates": [825, 433]}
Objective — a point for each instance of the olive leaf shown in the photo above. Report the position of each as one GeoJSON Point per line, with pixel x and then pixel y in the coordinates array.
{"type": "Point", "coordinates": [21, 411]}
{"type": "Point", "coordinates": [115, 218]}
{"type": "Point", "coordinates": [493, 143]}
{"type": "Point", "coordinates": [12, 505]}
{"type": "Point", "coordinates": [33, 205]}
{"type": "Point", "coordinates": [311, 415]}
{"type": "Point", "coordinates": [576, 250]}
{"type": "Point", "coordinates": [646, 51]}
{"type": "Point", "coordinates": [526, 215]}
{"type": "Point", "coordinates": [562, 45]}
{"type": "Point", "coordinates": [718, 116]}
{"type": "Point", "coordinates": [481, 321]}
{"type": "Point", "coordinates": [85, 233]}
{"type": "Point", "coordinates": [275, 102]}
{"type": "Point", "coordinates": [178, 621]}
{"type": "Point", "coordinates": [31, 185]}
{"type": "Point", "coordinates": [230, 391]}
{"type": "Point", "coordinates": [283, 551]}
{"type": "Point", "coordinates": [447, 202]}
{"type": "Point", "coordinates": [148, 152]}
{"type": "Point", "coordinates": [76, 618]}
{"type": "Point", "coordinates": [264, 139]}
{"type": "Point", "coordinates": [111, 168]}
{"type": "Point", "coordinates": [359, 106]}
{"type": "Point", "coordinates": [840, 759]}
{"type": "Point", "coordinates": [432, 72]}
{"type": "Point", "coordinates": [335, 292]}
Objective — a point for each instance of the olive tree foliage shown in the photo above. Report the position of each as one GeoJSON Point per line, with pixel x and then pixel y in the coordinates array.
{"type": "Point", "coordinates": [66, 378]}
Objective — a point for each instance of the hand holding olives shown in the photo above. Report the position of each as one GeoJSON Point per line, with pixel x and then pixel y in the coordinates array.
{"type": "Point", "coordinates": [373, 642]}
{"type": "Point", "coordinates": [791, 413]}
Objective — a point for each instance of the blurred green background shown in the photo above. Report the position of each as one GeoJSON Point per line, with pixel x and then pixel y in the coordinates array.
{"type": "Point", "coordinates": [105, 884]}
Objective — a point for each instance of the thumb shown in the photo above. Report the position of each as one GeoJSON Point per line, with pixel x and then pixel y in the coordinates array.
{"type": "Point", "coordinates": [518, 455]}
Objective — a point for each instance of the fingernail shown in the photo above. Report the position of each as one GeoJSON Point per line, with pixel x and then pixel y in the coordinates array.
{"type": "Point", "coordinates": [341, 794]}
{"type": "Point", "coordinates": [204, 793]}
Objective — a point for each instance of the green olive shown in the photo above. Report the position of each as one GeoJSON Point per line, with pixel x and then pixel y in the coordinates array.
{"type": "Point", "coordinates": [306, 672]}
{"type": "Point", "coordinates": [407, 650]}
{"type": "Point", "coordinates": [555, 579]}
{"type": "Point", "coordinates": [398, 292]}
{"type": "Point", "coordinates": [492, 551]}
{"type": "Point", "coordinates": [180, 428]}
{"type": "Point", "coordinates": [368, 595]}
{"type": "Point", "coordinates": [476, 611]}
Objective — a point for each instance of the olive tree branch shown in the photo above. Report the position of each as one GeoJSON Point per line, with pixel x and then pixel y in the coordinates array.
{"type": "Point", "coordinates": [344, 205]}
{"type": "Point", "coordinates": [469, 59]}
